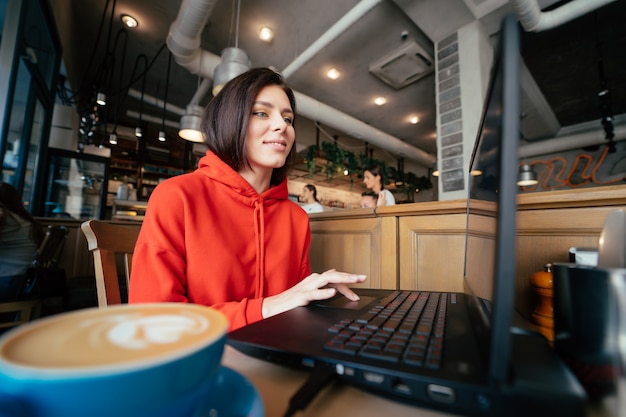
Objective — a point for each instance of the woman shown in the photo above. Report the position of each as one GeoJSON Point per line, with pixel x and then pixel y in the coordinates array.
{"type": "Point", "coordinates": [309, 198]}
{"type": "Point", "coordinates": [227, 235]}
{"type": "Point", "coordinates": [373, 179]}
{"type": "Point", "coordinates": [20, 236]}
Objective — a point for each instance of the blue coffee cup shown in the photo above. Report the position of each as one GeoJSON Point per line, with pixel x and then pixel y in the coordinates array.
{"type": "Point", "coordinates": [128, 360]}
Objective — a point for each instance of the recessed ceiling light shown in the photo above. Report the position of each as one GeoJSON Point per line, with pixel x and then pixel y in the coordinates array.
{"type": "Point", "coordinates": [266, 34]}
{"type": "Point", "coordinates": [129, 21]}
{"type": "Point", "coordinates": [380, 100]}
{"type": "Point", "coordinates": [414, 120]}
{"type": "Point", "coordinates": [333, 73]}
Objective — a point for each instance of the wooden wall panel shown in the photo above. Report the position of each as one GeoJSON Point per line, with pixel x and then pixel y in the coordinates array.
{"type": "Point", "coordinates": [355, 245]}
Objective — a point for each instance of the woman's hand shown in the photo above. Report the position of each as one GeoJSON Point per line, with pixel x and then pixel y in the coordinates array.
{"type": "Point", "coordinates": [312, 288]}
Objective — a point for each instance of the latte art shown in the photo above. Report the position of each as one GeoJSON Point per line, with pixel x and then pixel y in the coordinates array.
{"type": "Point", "coordinates": [115, 336]}
{"type": "Point", "coordinates": [143, 332]}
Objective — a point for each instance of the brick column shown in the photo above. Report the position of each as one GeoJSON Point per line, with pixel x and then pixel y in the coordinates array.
{"type": "Point", "coordinates": [463, 63]}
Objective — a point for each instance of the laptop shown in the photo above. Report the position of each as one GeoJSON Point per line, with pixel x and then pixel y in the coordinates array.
{"type": "Point", "coordinates": [476, 362]}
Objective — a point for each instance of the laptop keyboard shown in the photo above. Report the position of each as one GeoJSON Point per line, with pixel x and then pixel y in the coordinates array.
{"type": "Point", "coordinates": [406, 328]}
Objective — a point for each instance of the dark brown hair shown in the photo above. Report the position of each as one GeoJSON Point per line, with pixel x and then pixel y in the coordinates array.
{"type": "Point", "coordinates": [312, 188]}
{"type": "Point", "coordinates": [226, 117]}
{"type": "Point", "coordinates": [377, 171]}
{"type": "Point", "coordinates": [11, 204]}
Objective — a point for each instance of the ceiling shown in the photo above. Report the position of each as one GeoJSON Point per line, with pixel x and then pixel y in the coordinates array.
{"type": "Point", "coordinates": [563, 62]}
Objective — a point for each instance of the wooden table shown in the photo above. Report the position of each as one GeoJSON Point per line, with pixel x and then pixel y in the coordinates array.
{"type": "Point", "coordinates": [276, 384]}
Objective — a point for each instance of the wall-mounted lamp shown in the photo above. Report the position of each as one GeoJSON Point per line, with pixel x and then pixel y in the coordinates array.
{"type": "Point", "coordinates": [526, 176]}
{"type": "Point", "coordinates": [113, 138]}
{"type": "Point", "coordinates": [190, 124]}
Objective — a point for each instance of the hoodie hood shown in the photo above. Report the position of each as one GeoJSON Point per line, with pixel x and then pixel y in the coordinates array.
{"type": "Point", "coordinates": [216, 169]}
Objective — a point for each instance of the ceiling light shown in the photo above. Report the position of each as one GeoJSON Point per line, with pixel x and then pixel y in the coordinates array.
{"type": "Point", "coordinates": [527, 176]}
{"type": "Point", "coordinates": [414, 120]}
{"type": "Point", "coordinates": [435, 172]}
{"type": "Point", "coordinates": [235, 61]}
{"type": "Point", "coordinates": [333, 74]}
{"type": "Point", "coordinates": [101, 99]}
{"type": "Point", "coordinates": [129, 21]}
{"type": "Point", "coordinates": [379, 101]}
{"type": "Point", "coordinates": [476, 172]}
{"type": "Point", "coordinates": [266, 34]}
{"type": "Point", "coordinates": [162, 137]}
{"type": "Point", "coordinates": [190, 124]}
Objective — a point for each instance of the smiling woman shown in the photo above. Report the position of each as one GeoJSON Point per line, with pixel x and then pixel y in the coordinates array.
{"type": "Point", "coordinates": [217, 236]}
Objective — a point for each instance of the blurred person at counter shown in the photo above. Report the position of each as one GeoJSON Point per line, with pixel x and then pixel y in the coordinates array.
{"type": "Point", "coordinates": [368, 199]}
{"type": "Point", "coordinates": [373, 180]}
{"type": "Point", "coordinates": [309, 198]}
{"type": "Point", "coordinates": [20, 237]}
{"type": "Point", "coordinates": [227, 235]}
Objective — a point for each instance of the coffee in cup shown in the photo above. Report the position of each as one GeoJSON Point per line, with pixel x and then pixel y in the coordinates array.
{"type": "Point", "coordinates": [134, 360]}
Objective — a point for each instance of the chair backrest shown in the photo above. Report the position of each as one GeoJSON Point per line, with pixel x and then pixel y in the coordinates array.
{"type": "Point", "coordinates": [14, 313]}
{"type": "Point", "coordinates": [46, 259]}
{"type": "Point", "coordinates": [105, 240]}
{"type": "Point", "coordinates": [51, 248]}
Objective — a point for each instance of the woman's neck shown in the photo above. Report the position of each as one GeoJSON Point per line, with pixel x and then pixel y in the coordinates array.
{"type": "Point", "coordinates": [260, 181]}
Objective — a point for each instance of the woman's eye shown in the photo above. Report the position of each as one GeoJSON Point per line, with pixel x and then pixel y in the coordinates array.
{"type": "Point", "coordinates": [288, 120]}
{"type": "Point", "coordinates": [259, 114]}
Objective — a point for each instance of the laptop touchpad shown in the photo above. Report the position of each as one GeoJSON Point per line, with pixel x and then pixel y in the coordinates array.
{"type": "Point", "coordinates": [343, 302]}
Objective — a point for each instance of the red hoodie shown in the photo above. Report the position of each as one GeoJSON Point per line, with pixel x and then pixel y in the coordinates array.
{"type": "Point", "coordinates": [209, 238]}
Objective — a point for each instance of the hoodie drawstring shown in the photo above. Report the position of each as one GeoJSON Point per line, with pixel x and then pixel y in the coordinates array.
{"type": "Point", "coordinates": [259, 232]}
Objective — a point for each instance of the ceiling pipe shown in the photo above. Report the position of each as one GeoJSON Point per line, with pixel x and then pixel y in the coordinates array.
{"type": "Point", "coordinates": [148, 99]}
{"type": "Point", "coordinates": [534, 20]}
{"type": "Point", "coordinates": [316, 111]}
{"type": "Point", "coordinates": [183, 41]}
{"type": "Point", "coordinates": [566, 143]}
{"type": "Point", "coordinates": [152, 119]}
{"type": "Point", "coordinates": [358, 11]}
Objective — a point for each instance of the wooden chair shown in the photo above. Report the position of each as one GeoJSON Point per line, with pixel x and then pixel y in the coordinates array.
{"type": "Point", "coordinates": [105, 241]}
{"type": "Point", "coordinates": [27, 305]}
{"type": "Point", "coordinates": [19, 311]}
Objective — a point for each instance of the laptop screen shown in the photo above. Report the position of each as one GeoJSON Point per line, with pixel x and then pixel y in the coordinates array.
{"type": "Point", "coordinates": [492, 193]}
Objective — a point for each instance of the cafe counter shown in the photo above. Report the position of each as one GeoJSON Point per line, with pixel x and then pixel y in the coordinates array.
{"type": "Point", "coordinates": [420, 246]}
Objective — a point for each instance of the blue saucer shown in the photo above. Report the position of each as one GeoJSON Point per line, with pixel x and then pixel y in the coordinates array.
{"type": "Point", "coordinates": [236, 397]}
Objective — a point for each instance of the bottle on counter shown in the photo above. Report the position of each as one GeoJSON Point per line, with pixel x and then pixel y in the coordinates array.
{"type": "Point", "coordinates": [123, 190]}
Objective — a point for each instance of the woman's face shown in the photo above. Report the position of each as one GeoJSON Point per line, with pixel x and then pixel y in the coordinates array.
{"type": "Point", "coordinates": [306, 194]}
{"type": "Point", "coordinates": [370, 180]}
{"type": "Point", "coordinates": [270, 133]}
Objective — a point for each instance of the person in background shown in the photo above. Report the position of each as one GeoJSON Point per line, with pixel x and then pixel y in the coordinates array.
{"type": "Point", "coordinates": [227, 235]}
{"type": "Point", "coordinates": [309, 198]}
{"type": "Point", "coordinates": [373, 180]}
{"type": "Point", "coordinates": [20, 237]}
{"type": "Point", "coordinates": [368, 199]}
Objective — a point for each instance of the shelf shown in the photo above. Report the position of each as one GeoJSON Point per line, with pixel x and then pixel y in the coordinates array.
{"type": "Point", "coordinates": [129, 210]}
